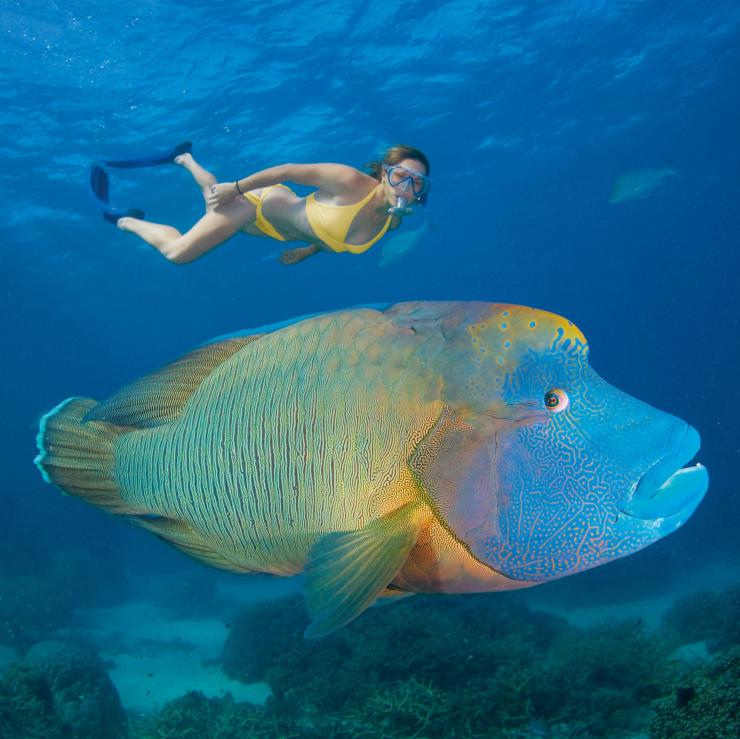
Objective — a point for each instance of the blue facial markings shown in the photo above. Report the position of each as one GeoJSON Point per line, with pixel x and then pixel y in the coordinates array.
{"type": "Point", "coordinates": [561, 478]}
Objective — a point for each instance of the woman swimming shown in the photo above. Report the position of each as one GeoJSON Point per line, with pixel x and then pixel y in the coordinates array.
{"type": "Point", "coordinates": [350, 210]}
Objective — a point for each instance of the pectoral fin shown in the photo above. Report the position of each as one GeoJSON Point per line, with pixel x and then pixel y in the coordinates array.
{"type": "Point", "coordinates": [347, 571]}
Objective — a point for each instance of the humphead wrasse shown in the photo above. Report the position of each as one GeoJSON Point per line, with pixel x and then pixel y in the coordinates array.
{"type": "Point", "coordinates": [416, 448]}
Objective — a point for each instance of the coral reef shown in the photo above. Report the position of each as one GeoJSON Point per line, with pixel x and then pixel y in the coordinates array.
{"type": "Point", "coordinates": [196, 717]}
{"type": "Point", "coordinates": [603, 676]}
{"type": "Point", "coordinates": [705, 702]}
{"type": "Point", "coordinates": [444, 640]}
{"type": "Point", "coordinates": [706, 616]}
{"type": "Point", "coordinates": [455, 667]}
{"type": "Point", "coordinates": [59, 691]}
{"type": "Point", "coordinates": [477, 666]}
{"type": "Point", "coordinates": [79, 690]}
{"type": "Point", "coordinates": [26, 709]}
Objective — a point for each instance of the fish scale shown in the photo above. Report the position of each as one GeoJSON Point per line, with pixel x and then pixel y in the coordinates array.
{"type": "Point", "coordinates": [259, 392]}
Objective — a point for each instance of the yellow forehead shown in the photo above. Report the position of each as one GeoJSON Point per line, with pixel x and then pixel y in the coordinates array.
{"type": "Point", "coordinates": [510, 330]}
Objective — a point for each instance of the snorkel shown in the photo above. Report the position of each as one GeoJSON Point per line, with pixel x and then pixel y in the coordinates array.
{"type": "Point", "coordinates": [401, 208]}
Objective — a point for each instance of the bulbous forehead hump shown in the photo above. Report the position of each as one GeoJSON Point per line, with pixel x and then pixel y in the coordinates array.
{"type": "Point", "coordinates": [507, 332]}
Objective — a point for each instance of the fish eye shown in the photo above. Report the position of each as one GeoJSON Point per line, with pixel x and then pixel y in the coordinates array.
{"type": "Point", "coordinates": [556, 400]}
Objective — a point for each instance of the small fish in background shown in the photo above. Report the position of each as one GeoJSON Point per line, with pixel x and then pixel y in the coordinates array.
{"type": "Point", "coordinates": [397, 246]}
{"type": "Point", "coordinates": [638, 184]}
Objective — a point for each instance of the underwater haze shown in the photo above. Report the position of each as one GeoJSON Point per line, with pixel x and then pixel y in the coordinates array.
{"type": "Point", "coordinates": [585, 161]}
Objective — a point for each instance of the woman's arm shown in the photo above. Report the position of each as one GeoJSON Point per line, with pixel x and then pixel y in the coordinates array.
{"type": "Point", "coordinates": [335, 179]}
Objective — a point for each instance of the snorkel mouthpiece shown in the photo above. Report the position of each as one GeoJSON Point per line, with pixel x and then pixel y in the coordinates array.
{"type": "Point", "coordinates": [400, 208]}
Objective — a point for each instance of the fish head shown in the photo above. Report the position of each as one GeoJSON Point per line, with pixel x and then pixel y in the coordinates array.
{"type": "Point", "coordinates": [544, 469]}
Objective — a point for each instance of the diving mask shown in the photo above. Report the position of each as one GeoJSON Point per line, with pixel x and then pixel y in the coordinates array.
{"type": "Point", "coordinates": [408, 180]}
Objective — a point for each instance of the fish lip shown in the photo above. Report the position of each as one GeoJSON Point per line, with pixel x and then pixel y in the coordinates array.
{"type": "Point", "coordinates": [668, 488]}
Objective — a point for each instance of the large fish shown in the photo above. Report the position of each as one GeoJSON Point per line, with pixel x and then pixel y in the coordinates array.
{"type": "Point", "coordinates": [420, 447]}
{"type": "Point", "coordinates": [639, 184]}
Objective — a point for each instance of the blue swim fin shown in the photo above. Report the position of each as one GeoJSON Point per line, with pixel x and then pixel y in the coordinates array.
{"type": "Point", "coordinates": [100, 189]}
{"type": "Point", "coordinates": [153, 159]}
{"type": "Point", "coordinates": [100, 185]}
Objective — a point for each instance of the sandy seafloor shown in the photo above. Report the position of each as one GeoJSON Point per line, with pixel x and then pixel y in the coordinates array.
{"type": "Point", "coordinates": [154, 657]}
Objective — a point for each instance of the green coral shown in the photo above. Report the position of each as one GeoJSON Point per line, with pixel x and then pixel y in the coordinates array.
{"type": "Point", "coordinates": [194, 716]}
{"type": "Point", "coordinates": [595, 674]}
{"type": "Point", "coordinates": [26, 710]}
{"type": "Point", "coordinates": [437, 640]}
{"type": "Point", "coordinates": [60, 690]}
{"type": "Point", "coordinates": [477, 666]}
{"type": "Point", "coordinates": [453, 667]}
{"type": "Point", "coordinates": [408, 709]}
{"type": "Point", "coordinates": [705, 703]}
{"type": "Point", "coordinates": [694, 617]}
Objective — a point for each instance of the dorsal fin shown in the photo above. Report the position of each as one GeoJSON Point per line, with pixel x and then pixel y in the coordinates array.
{"type": "Point", "coordinates": [159, 398]}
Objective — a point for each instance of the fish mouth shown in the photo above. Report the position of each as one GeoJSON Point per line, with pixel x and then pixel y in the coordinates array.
{"type": "Point", "coordinates": [668, 488]}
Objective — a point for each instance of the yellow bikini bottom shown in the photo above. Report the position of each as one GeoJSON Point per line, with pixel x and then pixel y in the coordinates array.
{"type": "Point", "coordinates": [261, 222]}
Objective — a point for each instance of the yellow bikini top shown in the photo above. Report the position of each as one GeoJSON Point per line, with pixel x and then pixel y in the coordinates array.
{"type": "Point", "coordinates": [331, 223]}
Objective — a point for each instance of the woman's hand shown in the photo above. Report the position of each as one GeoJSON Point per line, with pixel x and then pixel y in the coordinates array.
{"type": "Point", "coordinates": [293, 256]}
{"type": "Point", "coordinates": [221, 193]}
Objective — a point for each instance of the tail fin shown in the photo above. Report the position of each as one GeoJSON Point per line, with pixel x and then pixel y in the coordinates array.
{"type": "Point", "coordinates": [77, 455]}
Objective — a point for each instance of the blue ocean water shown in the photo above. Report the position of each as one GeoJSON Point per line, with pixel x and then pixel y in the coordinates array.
{"type": "Point", "coordinates": [528, 111]}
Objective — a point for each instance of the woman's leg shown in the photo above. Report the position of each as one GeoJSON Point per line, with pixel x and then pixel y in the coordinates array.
{"type": "Point", "coordinates": [212, 229]}
{"type": "Point", "coordinates": [203, 178]}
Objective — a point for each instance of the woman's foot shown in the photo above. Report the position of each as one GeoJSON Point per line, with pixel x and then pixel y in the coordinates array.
{"type": "Point", "coordinates": [184, 160]}
{"type": "Point", "coordinates": [126, 223]}
{"type": "Point", "coordinates": [203, 178]}
{"type": "Point", "coordinates": [293, 256]}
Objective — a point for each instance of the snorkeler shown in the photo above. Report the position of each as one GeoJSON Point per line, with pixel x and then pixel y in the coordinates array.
{"type": "Point", "coordinates": [349, 211]}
